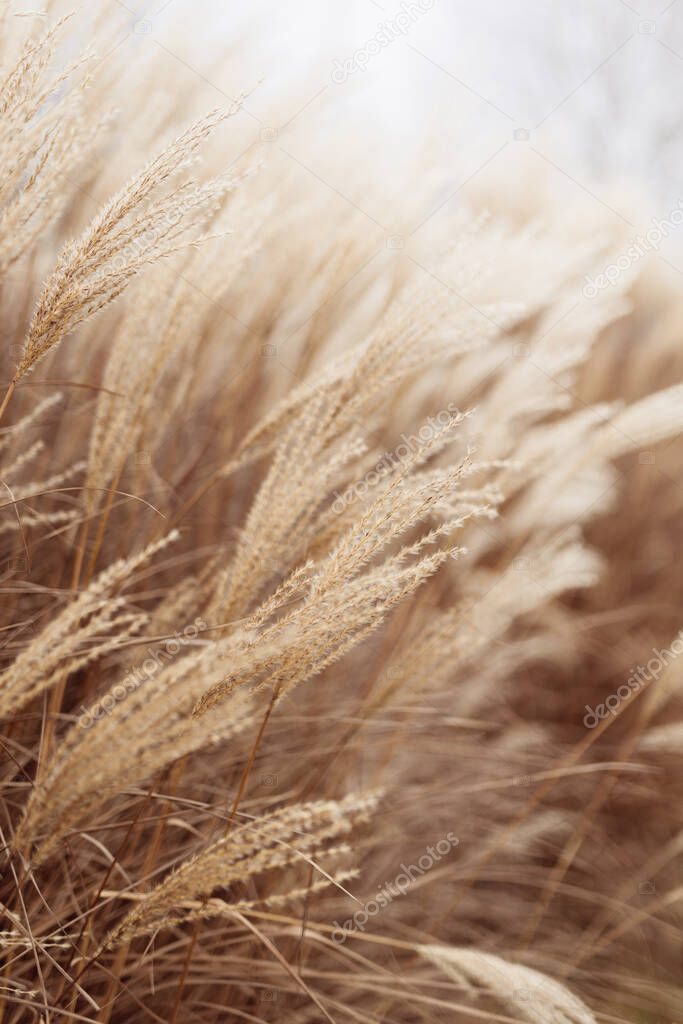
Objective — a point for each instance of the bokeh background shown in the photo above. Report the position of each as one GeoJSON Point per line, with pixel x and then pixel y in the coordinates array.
{"type": "Point", "coordinates": [587, 88]}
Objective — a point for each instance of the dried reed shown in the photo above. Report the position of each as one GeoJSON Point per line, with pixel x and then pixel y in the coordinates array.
{"type": "Point", "coordinates": [213, 663]}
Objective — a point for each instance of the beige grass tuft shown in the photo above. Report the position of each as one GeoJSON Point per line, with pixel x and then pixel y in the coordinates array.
{"type": "Point", "coordinates": [295, 517]}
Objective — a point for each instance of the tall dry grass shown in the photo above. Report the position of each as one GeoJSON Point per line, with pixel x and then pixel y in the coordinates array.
{"type": "Point", "coordinates": [255, 670]}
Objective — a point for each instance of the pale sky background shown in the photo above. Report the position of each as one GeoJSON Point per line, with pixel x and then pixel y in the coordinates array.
{"type": "Point", "coordinates": [585, 92]}
{"type": "Point", "coordinates": [596, 83]}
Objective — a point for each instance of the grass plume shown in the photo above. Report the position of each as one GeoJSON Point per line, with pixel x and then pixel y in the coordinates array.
{"type": "Point", "coordinates": [292, 520]}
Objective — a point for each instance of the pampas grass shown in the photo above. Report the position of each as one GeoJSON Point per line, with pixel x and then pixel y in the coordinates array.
{"type": "Point", "coordinates": [309, 560]}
